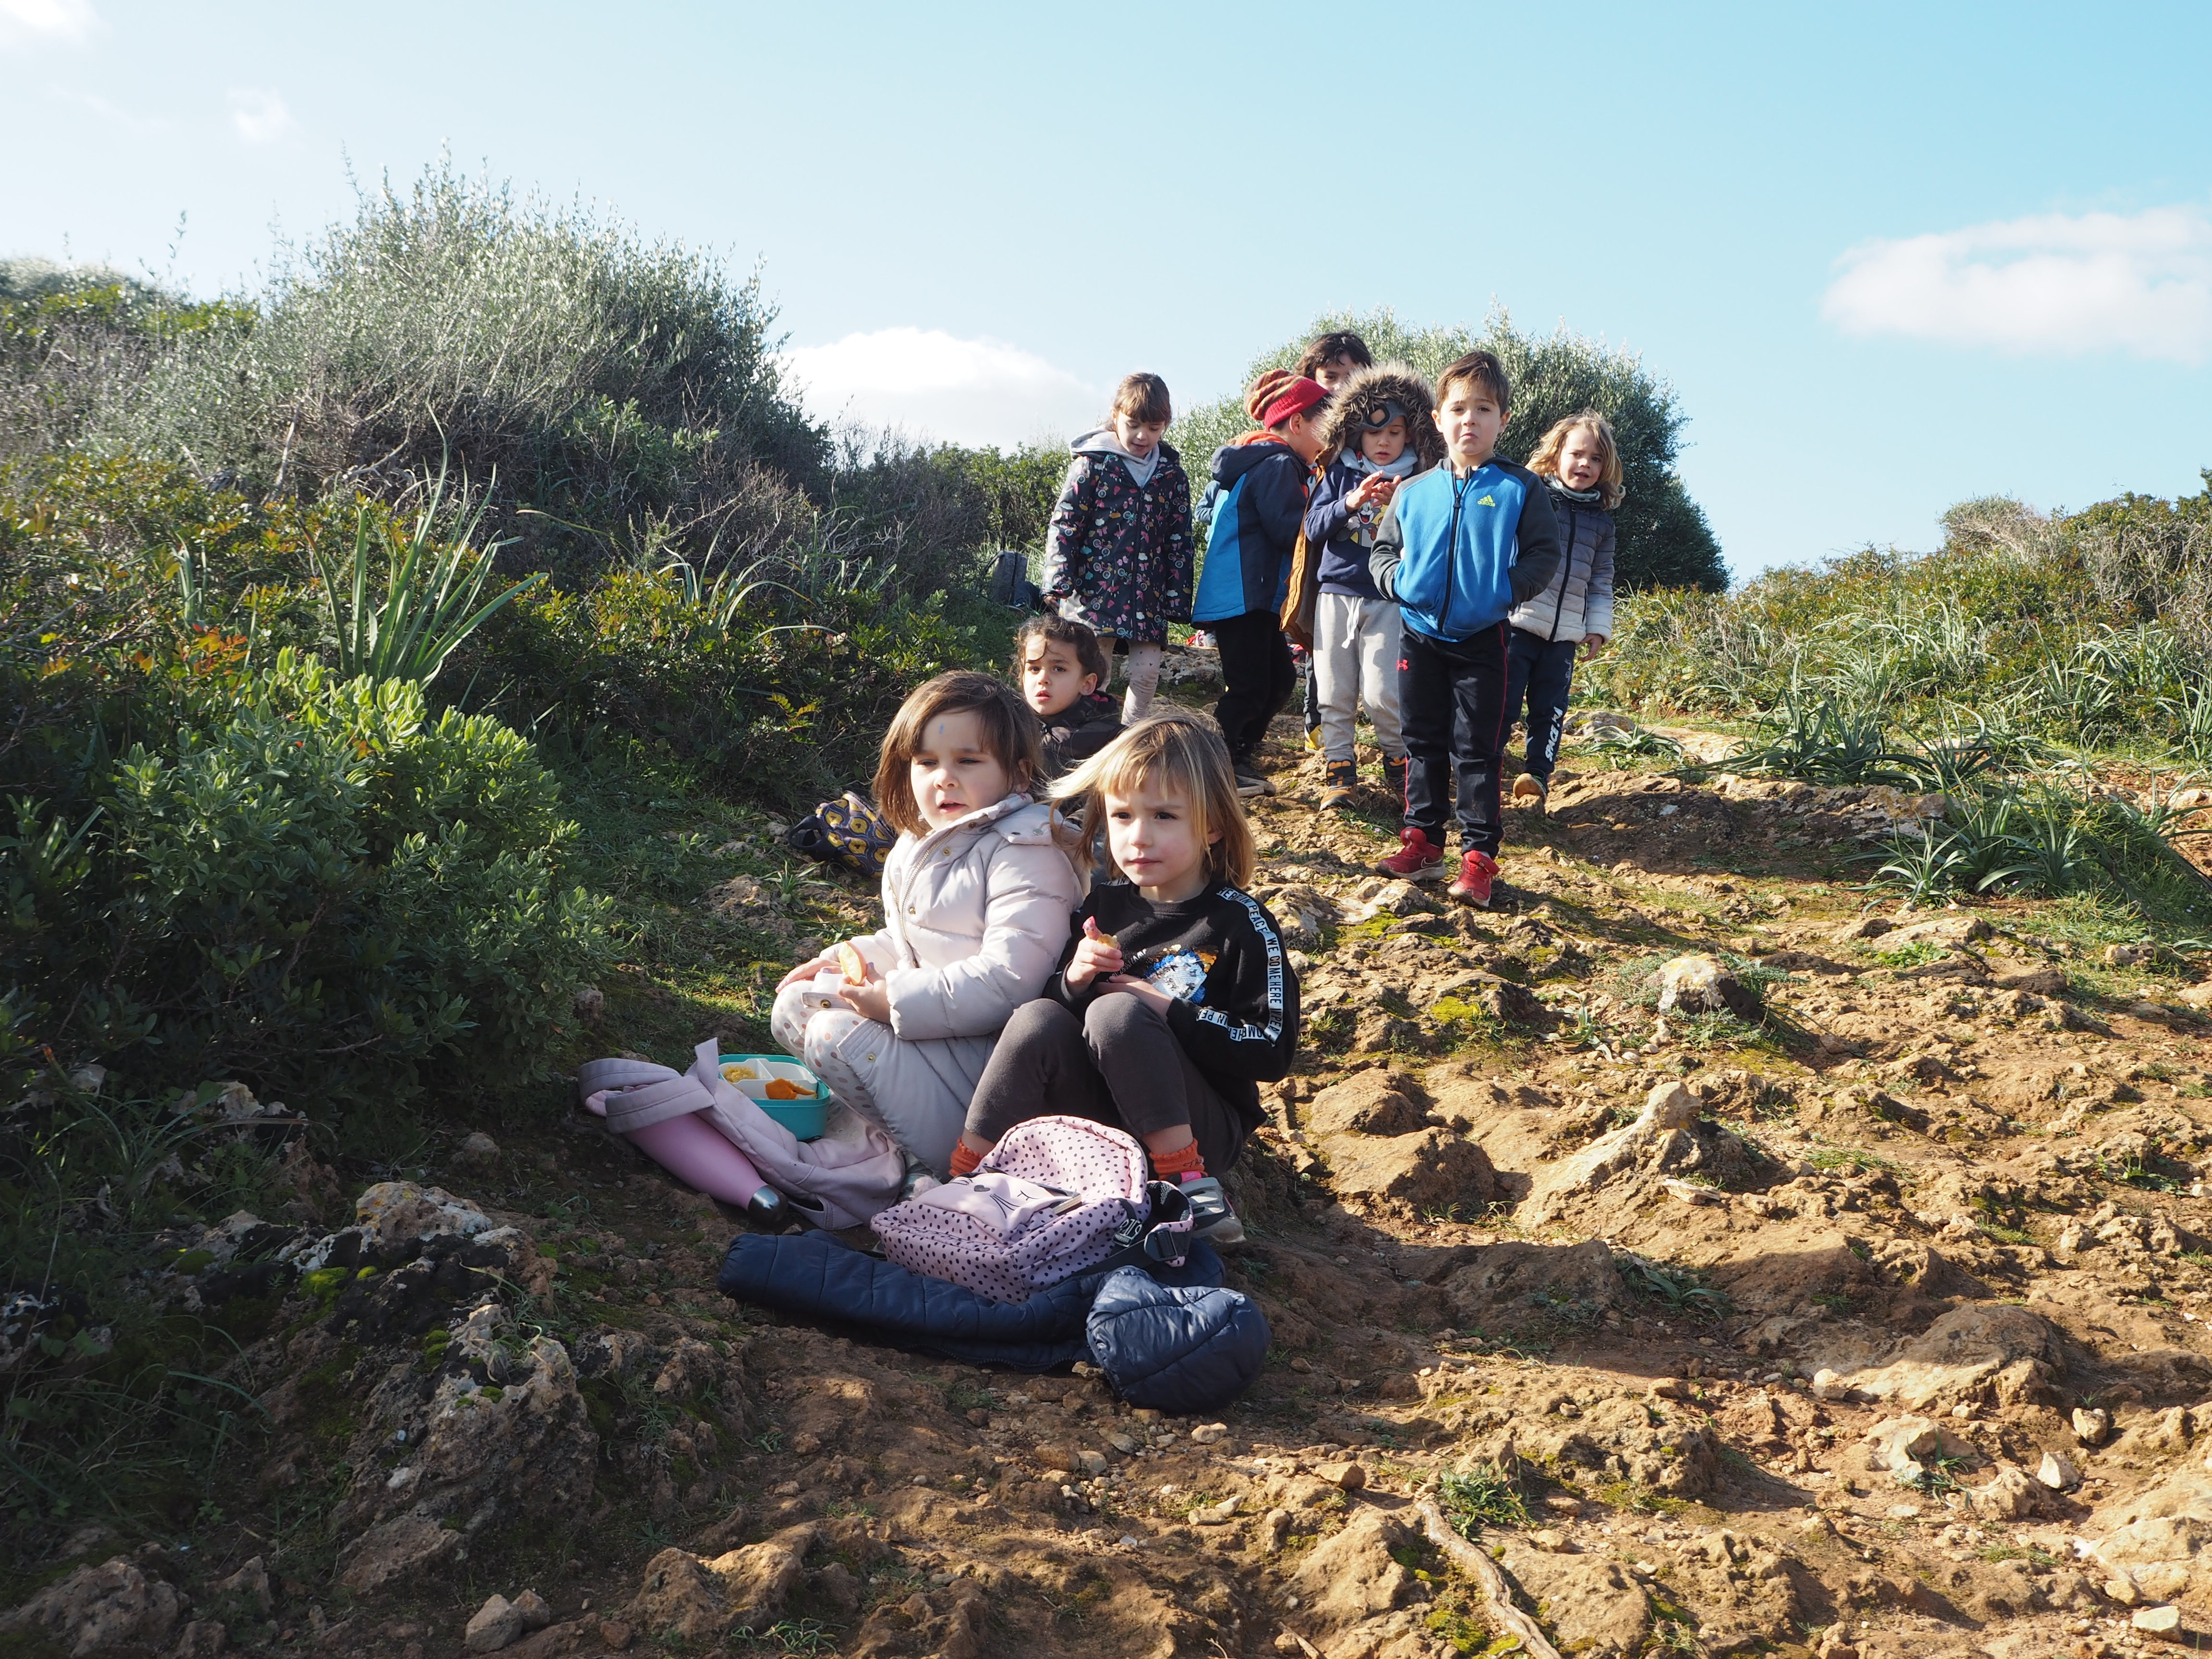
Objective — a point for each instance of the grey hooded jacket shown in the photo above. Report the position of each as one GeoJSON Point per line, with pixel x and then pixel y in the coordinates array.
{"type": "Point", "coordinates": [1578, 600]}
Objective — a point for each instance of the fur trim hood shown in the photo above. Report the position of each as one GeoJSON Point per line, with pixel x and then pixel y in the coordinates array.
{"type": "Point", "coordinates": [1369, 388]}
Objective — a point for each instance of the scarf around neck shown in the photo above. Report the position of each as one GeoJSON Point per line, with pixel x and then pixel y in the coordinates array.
{"type": "Point", "coordinates": [1403, 467]}
{"type": "Point", "coordinates": [1586, 497]}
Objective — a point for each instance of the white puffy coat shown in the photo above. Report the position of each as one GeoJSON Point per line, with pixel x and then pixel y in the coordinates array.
{"type": "Point", "coordinates": [974, 918]}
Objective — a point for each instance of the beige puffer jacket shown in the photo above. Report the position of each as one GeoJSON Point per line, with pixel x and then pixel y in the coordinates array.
{"type": "Point", "coordinates": [974, 917]}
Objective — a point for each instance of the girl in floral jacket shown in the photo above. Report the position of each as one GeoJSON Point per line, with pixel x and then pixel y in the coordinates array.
{"type": "Point", "coordinates": [1118, 555]}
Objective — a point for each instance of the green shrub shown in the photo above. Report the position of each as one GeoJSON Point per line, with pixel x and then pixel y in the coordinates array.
{"type": "Point", "coordinates": [626, 393]}
{"type": "Point", "coordinates": [321, 888]}
{"type": "Point", "coordinates": [1664, 540]}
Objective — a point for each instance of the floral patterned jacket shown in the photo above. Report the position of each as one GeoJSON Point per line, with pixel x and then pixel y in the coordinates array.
{"type": "Point", "coordinates": [1118, 555]}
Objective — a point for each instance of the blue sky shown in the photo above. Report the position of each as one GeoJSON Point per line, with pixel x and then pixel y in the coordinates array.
{"type": "Point", "coordinates": [1891, 257]}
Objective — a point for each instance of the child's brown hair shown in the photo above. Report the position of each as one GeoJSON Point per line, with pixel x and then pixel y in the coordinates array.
{"type": "Point", "coordinates": [1612, 490]}
{"type": "Point", "coordinates": [1482, 370]}
{"type": "Point", "coordinates": [1143, 397]}
{"type": "Point", "coordinates": [1075, 635]}
{"type": "Point", "coordinates": [1328, 347]}
{"type": "Point", "coordinates": [1010, 733]}
{"type": "Point", "coordinates": [1182, 751]}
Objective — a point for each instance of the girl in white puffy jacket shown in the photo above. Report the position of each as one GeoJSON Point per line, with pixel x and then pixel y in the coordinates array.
{"type": "Point", "coordinates": [977, 895]}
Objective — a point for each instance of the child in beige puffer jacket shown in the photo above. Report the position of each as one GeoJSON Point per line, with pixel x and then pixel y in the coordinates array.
{"type": "Point", "coordinates": [976, 896]}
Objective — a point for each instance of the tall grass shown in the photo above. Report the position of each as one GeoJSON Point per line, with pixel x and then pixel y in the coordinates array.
{"type": "Point", "coordinates": [2027, 628]}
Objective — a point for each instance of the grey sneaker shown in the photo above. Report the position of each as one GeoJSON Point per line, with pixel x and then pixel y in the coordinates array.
{"type": "Point", "coordinates": [1211, 1218]}
{"type": "Point", "coordinates": [1251, 780]}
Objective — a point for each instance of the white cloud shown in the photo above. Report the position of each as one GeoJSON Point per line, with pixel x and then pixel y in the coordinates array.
{"type": "Point", "coordinates": [2140, 283]}
{"type": "Point", "coordinates": [927, 381]}
{"type": "Point", "coordinates": [46, 20]}
{"type": "Point", "coordinates": [260, 117]}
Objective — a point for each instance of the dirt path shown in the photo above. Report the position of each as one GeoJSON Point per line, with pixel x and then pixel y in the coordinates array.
{"type": "Point", "coordinates": [1884, 1338]}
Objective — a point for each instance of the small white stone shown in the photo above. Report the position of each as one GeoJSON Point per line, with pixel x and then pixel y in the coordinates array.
{"type": "Point", "coordinates": [2058, 1473]}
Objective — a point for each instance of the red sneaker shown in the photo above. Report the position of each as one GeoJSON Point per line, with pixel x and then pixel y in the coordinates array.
{"type": "Point", "coordinates": [1476, 872]}
{"type": "Point", "coordinates": [1417, 858]}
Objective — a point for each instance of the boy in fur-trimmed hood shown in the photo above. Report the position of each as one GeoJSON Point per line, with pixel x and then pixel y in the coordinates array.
{"type": "Point", "coordinates": [1379, 429]}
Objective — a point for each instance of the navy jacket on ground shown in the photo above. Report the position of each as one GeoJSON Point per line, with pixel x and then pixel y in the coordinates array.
{"type": "Point", "coordinates": [1171, 1333]}
{"type": "Point", "coordinates": [1259, 501]}
{"type": "Point", "coordinates": [1459, 553]}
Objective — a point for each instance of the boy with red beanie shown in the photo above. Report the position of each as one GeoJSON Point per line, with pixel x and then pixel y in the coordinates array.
{"type": "Point", "coordinates": [1258, 498]}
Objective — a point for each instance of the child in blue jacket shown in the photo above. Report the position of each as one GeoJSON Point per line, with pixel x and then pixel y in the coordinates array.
{"type": "Point", "coordinates": [1258, 501]}
{"type": "Point", "coordinates": [1459, 547]}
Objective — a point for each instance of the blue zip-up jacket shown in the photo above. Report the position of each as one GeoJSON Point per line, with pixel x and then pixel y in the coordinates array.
{"type": "Point", "coordinates": [1459, 553]}
{"type": "Point", "coordinates": [1259, 501]}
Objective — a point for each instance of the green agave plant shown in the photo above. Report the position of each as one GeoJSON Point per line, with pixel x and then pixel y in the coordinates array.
{"type": "Point", "coordinates": [432, 585]}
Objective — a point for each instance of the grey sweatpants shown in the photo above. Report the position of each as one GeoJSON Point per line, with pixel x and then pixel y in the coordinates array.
{"type": "Point", "coordinates": [1118, 1064]}
{"type": "Point", "coordinates": [917, 1093]}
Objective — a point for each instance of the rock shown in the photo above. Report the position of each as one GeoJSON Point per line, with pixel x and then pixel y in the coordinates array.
{"type": "Point", "coordinates": [536, 1614]}
{"type": "Point", "coordinates": [1346, 1476]}
{"type": "Point", "coordinates": [2157, 1621]}
{"type": "Point", "coordinates": [200, 1638]}
{"type": "Point", "coordinates": [1864, 927]}
{"type": "Point", "coordinates": [1828, 1385]}
{"type": "Point", "coordinates": [97, 1609]}
{"type": "Point", "coordinates": [693, 1599]}
{"type": "Point", "coordinates": [2058, 1473]}
{"type": "Point", "coordinates": [401, 1546]}
{"type": "Point", "coordinates": [249, 1588]}
{"type": "Point", "coordinates": [679, 1599]}
{"type": "Point", "coordinates": [591, 1004]}
{"type": "Point", "coordinates": [1904, 1440]}
{"type": "Point", "coordinates": [1094, 1463]}
{"type": "Point", "coordinates": [396, 1212]}
{"type": "Point", "coordinates": [1371, 1103]}
{"type": "Point", "coordinates": [1698, 984]}
{"type": "Point", "coordinates": [1431, 1171]}
{"type": "Point", "coordinates": [1350, 1575]}
{"type": "Point", "coordinates": [2010, 1497]}
{"type": "Point", "coordinates": [478, 1148]}
{"type": "Point", "coordinates": [1507, 1281]}
{"type": "Point", "coordinates": [496, 1624]}
{"type": "Point", "coordinates": [1594, 1606]}
{"type": "Point", "coordinates": [1660, 1137]}
{"type": "Point", "coordinates": [2129, 956]}
{"type": "Point", "coordinates": [1209, 1434]}
{"type": "Point", "coordinates": [2155, 1540]}
{"type": "Point", "coordinates": [1951, 930]}
{"type": "Point", "coordinates": [1550, 1542]}
{"type": "Point", "coordinates": [2091, 1426]}
{"type": "Point", "coordinates": [1215, 1514]}
{"type": "Point", "coordinates": [1968, 1353]}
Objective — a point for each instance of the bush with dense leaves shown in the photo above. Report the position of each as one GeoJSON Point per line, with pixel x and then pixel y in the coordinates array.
{"type": "Point", "coordinates": [322, 887]}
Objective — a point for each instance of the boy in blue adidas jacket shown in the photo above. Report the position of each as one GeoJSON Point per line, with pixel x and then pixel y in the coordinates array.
{"type": "Point", "coordinates": [1258, 503]}
{"type": "Point", "coordinates": [1459, 547]}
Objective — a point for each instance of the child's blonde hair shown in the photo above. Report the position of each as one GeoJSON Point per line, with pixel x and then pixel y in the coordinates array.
{"type": "Point", "coordinates": [1010, 733]}
{"type": "Point", "coordinates": [1178, 751]}
{"type": "Point", "coordinates": [1545, 459]}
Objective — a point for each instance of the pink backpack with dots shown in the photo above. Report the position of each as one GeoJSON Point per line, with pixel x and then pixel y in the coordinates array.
{"type": "Point", "coordinates": [1055, 1196]}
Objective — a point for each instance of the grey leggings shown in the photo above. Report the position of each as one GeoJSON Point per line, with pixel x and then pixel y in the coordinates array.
{"type": "Point", "coordinates": [1118, 1064]}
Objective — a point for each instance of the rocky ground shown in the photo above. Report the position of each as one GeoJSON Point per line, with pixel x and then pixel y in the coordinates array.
{"type": "Point", "coordinates": [1744, 1265]}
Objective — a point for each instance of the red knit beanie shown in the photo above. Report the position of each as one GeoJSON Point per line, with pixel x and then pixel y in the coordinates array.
{"type": "Point", "coordinates": [1278, 394]}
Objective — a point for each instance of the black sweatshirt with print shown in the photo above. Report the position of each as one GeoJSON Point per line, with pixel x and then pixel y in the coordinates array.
{"type": "Point", "coordinates": [1236, 1007]}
